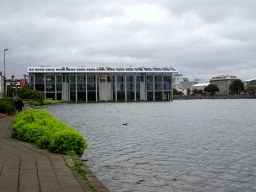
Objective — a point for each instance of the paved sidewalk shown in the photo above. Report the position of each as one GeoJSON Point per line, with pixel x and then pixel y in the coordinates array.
{"type": "Point", "coordinates": [25, 167]}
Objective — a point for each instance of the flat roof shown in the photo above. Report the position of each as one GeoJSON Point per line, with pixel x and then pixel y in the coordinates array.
{"type": "Point", "coordinates": [101, 69]}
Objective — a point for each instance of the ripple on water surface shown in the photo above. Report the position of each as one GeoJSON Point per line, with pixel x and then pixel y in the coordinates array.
{"type": "Point", "coordinates": [192, 145]}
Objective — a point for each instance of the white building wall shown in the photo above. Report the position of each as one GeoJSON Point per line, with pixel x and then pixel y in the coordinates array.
{"type": "Point", "coordinates": [105, 89]}
{"type": "Point", "coordinates": [142, 91]}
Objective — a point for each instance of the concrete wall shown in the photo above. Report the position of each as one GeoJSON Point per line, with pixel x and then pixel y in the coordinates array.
{"type": "Point", "coordinates": [105, 91]}
{"type": "Point", "coordinates": [142, 91]}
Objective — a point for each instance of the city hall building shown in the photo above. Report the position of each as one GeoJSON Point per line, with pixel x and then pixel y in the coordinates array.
{"type": "Point", "coordinates": [86, 84]}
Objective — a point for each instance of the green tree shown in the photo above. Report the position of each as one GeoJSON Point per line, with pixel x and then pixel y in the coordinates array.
{"type": "Point", "coordinates": [195, 92]}
{"type": "Point", "coordinates": [27, 92]}
{"type": "Point", "coordinates": [188, 92]}
{"type": "Point", "coordinates": [200, 92]}
{"type": "Point", "coordinates": [236, 86]}
{"type": "Point", "coordinates": [9, 92]}
{"type": "Point", "coordinates": [175, 92]}
{"type": "Point", "coordinates": [251, 89]}
{"type": "Point", "coordinates": [211, 89]}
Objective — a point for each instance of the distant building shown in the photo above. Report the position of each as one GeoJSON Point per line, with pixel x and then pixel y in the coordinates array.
{"type": "Point", "coordinates": [15, 84]}
{"type": "Point", "coordinates": [180, 83]}
{"type": "Point", "coordinates": [184, 86]}
{"type": "Point", "coordinates": [249, 82]}
{"type": "Point", "coordinates": [223, 82]}
{"type": "Point", "coordinates": [200, 86]}
{"type": "Point", "coordinates": [103, 83]}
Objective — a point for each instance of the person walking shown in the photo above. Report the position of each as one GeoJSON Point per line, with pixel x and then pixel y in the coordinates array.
{"type": "Point", "coordinates": [19, 105]}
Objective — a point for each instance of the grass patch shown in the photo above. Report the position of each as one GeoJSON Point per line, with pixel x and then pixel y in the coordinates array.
{"type": "Point", "coordinates": [82, 171]}
{"type": "Point", "coordinates": [46, 102]}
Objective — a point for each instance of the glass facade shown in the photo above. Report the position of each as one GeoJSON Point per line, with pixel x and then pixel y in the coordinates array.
{"type": "Point", "coordinates": [138, 80]}
{"type": "Point", "coordinates": [50, 87]}
{"type": "Point", "coordinates": [91, 87]}
{"type": "Point", "coordinates": [121, 87]}
{"type": "Point", "coordinates": [81, 87]}
{"type": "Point", "coordinates": [32, 77]}
{"type": "Point", "coordinates": [86, 87]}
{"type": "Point", "coordinates": [39, 80]}
{"type": "Point", "coordinates": [150, 88]}
{"type": "Point", "coordinates": [59, 82]}
{"type": "Point", "coordinates": [130, 87]}
{"type": "Point", "coordinates": [72, 88]}
{"type": "Point", "coordinates": [167, 82]}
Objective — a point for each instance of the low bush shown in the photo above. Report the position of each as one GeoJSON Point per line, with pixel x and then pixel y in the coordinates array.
{"type": "Point", "coordinates": [46, 102]}
{"type": "Point", "coordinates": [6, 105]}
{"type": "Point", "coordinates": [39, 127]}
{"type": "Point", "coordinates": [31, 102]}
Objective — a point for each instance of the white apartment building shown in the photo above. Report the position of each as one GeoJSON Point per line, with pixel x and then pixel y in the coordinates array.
{"type": "Point", "coordinates": [223, 82]}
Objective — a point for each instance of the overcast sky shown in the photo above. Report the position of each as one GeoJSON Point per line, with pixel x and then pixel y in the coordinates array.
{"type": "Point", "coordinates": [200, 38]}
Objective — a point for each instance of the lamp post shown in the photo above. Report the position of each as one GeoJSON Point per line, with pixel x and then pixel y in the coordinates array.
{"type": "Point", "coordinates": [4, 74]}
{"type": "Point", "coordinates": [12, 88]}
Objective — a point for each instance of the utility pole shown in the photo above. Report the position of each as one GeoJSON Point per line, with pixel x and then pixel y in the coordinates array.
{"type": "Point", "coordinates": [4, 74]}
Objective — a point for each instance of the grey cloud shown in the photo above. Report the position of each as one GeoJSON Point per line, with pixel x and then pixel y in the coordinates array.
{"type": "Point", "coordinates": [200, 38]}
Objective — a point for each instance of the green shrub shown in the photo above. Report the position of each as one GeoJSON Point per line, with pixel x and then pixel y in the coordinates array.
{"type": "Point", "coordinates": [41, 128]}
{"type": "Point", "coordinates": [46, 102]}
{"type": "Point", "coordinates": [6, 105]}
{"type": "Point", "coordinates": [26, 92]}
{"type": "Point", "coordinates": [30, 102]}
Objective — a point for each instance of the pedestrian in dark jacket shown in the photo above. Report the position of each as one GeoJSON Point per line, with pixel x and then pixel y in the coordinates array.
{"type": "Point", "coordinates": [19, 105]}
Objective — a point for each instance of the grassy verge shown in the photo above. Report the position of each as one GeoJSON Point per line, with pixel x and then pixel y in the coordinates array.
{"type": "Point", "coordinates": [80, 169]}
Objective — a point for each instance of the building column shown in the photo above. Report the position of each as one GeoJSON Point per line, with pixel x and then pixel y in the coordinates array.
{"type": "Point", "coordinates": [162, 87]}
{"type": "Point", "coordinates": [86, 85]}
{"type": "Point", "coordinates": [106, 84]}
{"type": "Point", "coordinates": [171, 89]}
{"type": "Point", "coordinates": [134, 76]}
{"type": "Point", "coordinates": [116, 87]}
{"type": "Point", "coordinates": [34, 82]}
{"type": "Point", "coordinates": [68, 86]}
{"type": "Point", "coordinates": [45, 86]}
{"type": "Point", "coordinates": [62, 88]}
{"type": "Point", "coordinates": [146, 95]}
{"type": "Point", "coordinates": [96, 87]}
{"type": "Point", "coordinates": [154, 91]}
{"type": "Point", "coordinates": [125, 89]}
{"type": "Point", "coordinates": [55, 86]}
{"type": "Point", "coordinates": [112, 86]}
{"type": "Point", "coordinates": [76, 87]}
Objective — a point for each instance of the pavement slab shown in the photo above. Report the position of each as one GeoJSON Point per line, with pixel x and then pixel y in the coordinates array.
{"type": "Point", "coordinates": [26, 168]}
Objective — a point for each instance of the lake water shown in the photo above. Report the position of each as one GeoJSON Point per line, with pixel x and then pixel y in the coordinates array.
{"type": "Point", "coordinates": [190, 145]}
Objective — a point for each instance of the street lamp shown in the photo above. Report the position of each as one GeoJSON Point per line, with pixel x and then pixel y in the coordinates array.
{"type": "Point", "coordinates": [12, 88]}
{"type": "Point", "coordinates": [4, 74]}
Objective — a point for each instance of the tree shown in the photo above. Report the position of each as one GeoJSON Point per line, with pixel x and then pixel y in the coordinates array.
{"type": "Point", "coordinates": [195, 92]}
{"type": "Point", "coordinates": [236, 86]}
{"type": "Point", "coordinates": [200, 92]}
{"type": "Point", "coordinates": [175, 92]}
{"type": "Point", "coordinates": [9, 92]}
{"type": "Point", "coordinates": [26, 92]}
{"type": "Point", "coordinates": [188, 92]}
{"type": "Point", "coordinates": [251, 89]}
{"type": "Point", "coordinates": [211, 89]}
